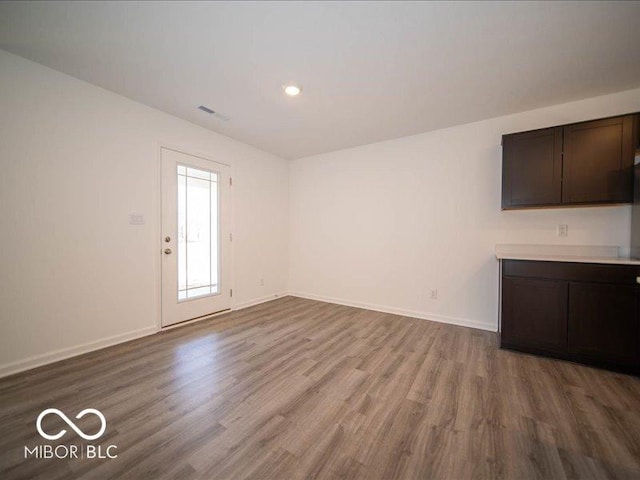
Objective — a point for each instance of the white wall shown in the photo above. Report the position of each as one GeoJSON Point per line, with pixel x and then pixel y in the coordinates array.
{"type": "Point", "coordinates": [381, 225]}
{"type": "Point", "coordinates": [377, 226]}
{"type": "Point", "coordinates": [75, 161]}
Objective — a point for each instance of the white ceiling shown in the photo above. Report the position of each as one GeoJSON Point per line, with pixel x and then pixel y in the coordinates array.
{"type": "Point", "coordinates": [371, 71]}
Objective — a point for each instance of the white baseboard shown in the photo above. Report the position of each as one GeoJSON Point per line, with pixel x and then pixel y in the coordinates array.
{"type": "Point", "coordinates": [64, 353]}
{"type": "Point", "coordinates": [463, 322]}
{"type": "Point", "coordinates": [257, 301]}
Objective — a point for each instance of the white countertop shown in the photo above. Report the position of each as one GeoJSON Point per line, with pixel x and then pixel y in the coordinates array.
{"type": "Point", "coordinates": [564, 253]}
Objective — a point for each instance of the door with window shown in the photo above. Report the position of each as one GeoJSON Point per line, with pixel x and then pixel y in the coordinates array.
{"type": "Point", "coordinates": [195, 237]}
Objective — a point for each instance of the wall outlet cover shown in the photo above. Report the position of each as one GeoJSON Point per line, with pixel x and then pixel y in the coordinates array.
{"type": "Point", "coordinates": [563, 230]}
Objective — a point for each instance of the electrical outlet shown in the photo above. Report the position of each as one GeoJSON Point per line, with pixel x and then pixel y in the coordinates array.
{"type": "Point", "coordinates": [563, 230]}
{"type": "Point", "coordinates": [433, 295]}
{"type": "Point", "coordinates": [261, 283]}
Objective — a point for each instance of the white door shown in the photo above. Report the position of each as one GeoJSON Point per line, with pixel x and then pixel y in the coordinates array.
{"type": "Point", "coordinates": [195, 237]}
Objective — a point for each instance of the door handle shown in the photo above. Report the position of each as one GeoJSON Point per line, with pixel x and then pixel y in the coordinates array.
{"type": "Point", "coordinates": [167, 251]}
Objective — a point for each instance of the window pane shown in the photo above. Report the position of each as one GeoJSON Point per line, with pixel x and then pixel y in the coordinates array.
{"type": "Point", "coordinates": [214, 236]}
{"type": "Point", "coordinates": [198, 292]}
{"type": "Point", "coordinates": [194, 172]}
{"type": "Point", "coordinates": [198, 240]}
{"type": "Point", "coordinates": [182, 231]}
{"type": "Point", "coordinates": [198, 232]}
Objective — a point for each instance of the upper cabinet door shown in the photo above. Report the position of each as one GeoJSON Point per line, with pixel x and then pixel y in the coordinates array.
{"type": "Point", "coordinates": [598, 161]}
{"type": "Point", "coordinates": [532, 168]}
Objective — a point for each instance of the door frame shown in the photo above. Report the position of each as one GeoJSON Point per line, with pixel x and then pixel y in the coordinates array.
{"type": "Point", "coordinates": [158, 244]}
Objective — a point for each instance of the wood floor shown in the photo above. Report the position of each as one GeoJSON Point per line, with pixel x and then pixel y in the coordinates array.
{"type": "Point", "coordinates": [298, 389]}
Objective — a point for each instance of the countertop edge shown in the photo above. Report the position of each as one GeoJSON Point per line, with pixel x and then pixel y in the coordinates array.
{"type": "Point", "coordinates": [570, 259]}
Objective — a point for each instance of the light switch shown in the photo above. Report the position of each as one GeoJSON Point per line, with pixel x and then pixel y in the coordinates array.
{"type": "Point", "coordinates": [136, 218]}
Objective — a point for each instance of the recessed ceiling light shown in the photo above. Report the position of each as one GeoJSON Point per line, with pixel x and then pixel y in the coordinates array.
{"type": "Point", "coordinates": [292, 90]}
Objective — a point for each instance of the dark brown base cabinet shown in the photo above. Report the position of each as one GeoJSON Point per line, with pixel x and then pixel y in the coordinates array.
{"type": "Point", "coordinates": [587, 313]}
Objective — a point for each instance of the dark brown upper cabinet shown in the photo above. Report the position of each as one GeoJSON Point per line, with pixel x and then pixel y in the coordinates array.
{"type": "Point", "coordinates": [584, 163]}
{"type": "Point", "coordinates": [532, 168]}
{"type": "Point", "coordinates": [597, 163]}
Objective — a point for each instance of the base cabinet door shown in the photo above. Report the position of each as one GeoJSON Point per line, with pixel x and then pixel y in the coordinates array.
{"type": "Point", "coordinates": [604, 323]}
{"type": "Point", "coordinates": [534, 314]}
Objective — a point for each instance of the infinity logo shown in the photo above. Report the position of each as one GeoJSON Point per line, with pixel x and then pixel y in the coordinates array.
{"type": "Point", "coordinates": [46, 412]}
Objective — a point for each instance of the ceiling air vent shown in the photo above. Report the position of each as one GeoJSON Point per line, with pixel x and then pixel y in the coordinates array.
{"type": "Point", "coordinates": [218, 115]}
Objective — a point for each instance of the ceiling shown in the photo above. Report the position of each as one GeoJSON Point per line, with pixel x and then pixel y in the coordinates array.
{"type": "Point", "coordinates": [370, 71]}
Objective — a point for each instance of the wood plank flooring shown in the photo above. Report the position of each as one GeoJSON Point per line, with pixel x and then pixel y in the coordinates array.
{"type": "Point", "coordinates": [299, 389]}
